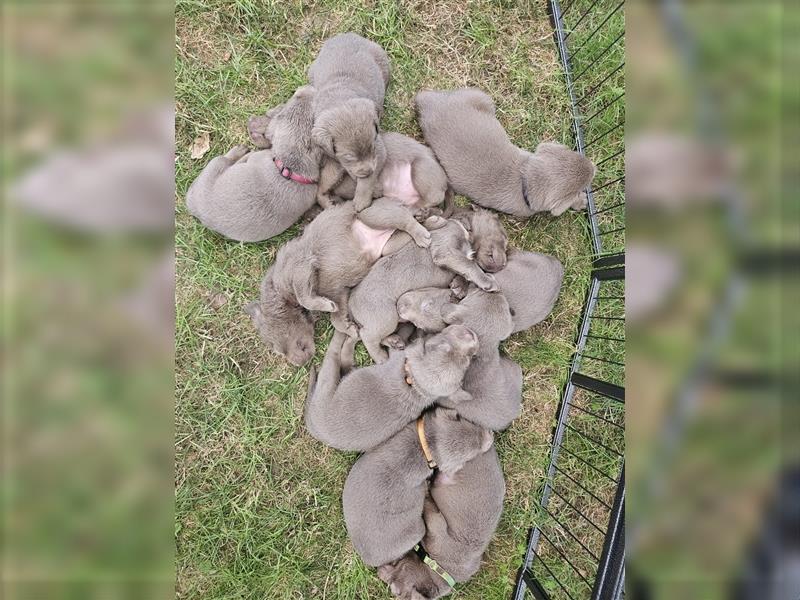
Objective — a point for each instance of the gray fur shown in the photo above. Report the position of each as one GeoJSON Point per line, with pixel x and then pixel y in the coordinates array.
{"type": "Point", "coordinates": [369, 405]}
{"type": "Point", "coordinates": [482, 163]}
{"type": "Point", "coordinates": [493, 382]}
{"type": "Point", "coordinates": [531, 283]}
{"type": "Point", "coordinates": [241, 194]}
{"type": "Point", "coordinates": [351, 74]}
{"type": "Point", "coordinates": [373, 304]}
{"type": "Point", "coordinates": [313, 272]}
{"type": "Point", "coordinates": [461, 515]}
{"type": "Point", "coordinates": [426, 175]}
{"type": "Point", "coordinates": [385, 491]}
{"type": "Point", "coordinates": [423, 307]}
{"type": "Point", "coordinates": [488, 238]}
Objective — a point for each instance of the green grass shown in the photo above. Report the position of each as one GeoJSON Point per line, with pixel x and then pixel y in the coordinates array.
{"type": "Point", "coordinates": [258, 501]}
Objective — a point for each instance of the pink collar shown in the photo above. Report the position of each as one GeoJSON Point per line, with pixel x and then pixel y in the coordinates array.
{"type": "Point", "coordinates": [287, 173]}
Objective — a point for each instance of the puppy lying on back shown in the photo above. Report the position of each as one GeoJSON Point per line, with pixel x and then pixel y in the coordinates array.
{"type": "Point", "coordinates": [373, 303]}
{"type": "Point", "coordinates": [385, 491]}
{"type": "Point", "coordinates": [493, 382]}
{"type": "Point", "coordinates": [482, 163]}
{"type": "Point", "coordinates": [371, 404]}
{"type": "Point", "coordinates": [531, 283]}
{"type": "Point", "coordinates": [408, 172]}
{"type": "Point", "coordinates": [461, 515]}
{"type": "Point", "coordinates": [315, 272]}
{"type": "Point", "coordinates": [243, 195]}
{"type": "Point", "coordinates": [351, 74]}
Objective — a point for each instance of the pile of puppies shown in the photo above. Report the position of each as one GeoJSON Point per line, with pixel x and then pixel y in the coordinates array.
{"type": "Point", "coordinates": [431, 290]}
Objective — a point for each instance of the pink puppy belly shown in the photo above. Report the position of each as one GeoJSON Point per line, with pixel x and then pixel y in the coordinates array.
{"type": "Point", "coordinates": [397, 183]}
{"type": "Point", "coordinates": [371, 241]}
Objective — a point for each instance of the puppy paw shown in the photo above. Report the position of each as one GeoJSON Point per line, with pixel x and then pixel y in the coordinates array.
{"type": "Point", "coordinates": [488, 284]}
{"type": "Point", "coordinates": [459, 287]}
{"type": "Point", "coordinates": [435, 222]}
{"type": "Point", "coordinates": [422, 237]}
{"type": "Point", "coordinates": [394, 341]}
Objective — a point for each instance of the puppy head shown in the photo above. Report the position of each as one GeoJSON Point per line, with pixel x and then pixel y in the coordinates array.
{"type": "Point", "coordinates": [488, 238]}
{"type": "Point", "coordinates": [569, 174]}
{"type": "Point", "coordinates": [349, 134]}
{"type": "Point", "coordinates": [411, 579]}
{"type": "Point", "coordinates": [486, 314]}
{"type": "Point", "coordinates": [454, 441]}
{"type": "Point", "coordinates": [423, 308]}
{"type": "Point", "coordinates": [284, 326]}
{"type": "Point", "coordinates": [438, 363]}
{"type": "Point", "coordinates": [291, 132]}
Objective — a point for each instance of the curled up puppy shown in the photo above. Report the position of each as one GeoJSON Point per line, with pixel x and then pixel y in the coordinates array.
{"type": "Point", "coordinates": [362, 408]}
{"type": "Point", "coordinates": [482, 163]}
{"type": "Point", "coordinates": [384, 494]}
{"type": "Point", "coordinates": [250, 196]}
{"type": "Point", "coordinates": [461, 514]}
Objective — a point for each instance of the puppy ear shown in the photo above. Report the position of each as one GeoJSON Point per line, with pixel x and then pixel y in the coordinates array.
{"type": "Point", "coordinates": [450, 313]}
{"type": "Point", "coordinates": [322, 137]}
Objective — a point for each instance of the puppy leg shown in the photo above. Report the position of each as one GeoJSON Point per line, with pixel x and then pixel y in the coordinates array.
{"type": "Point", "coordinates": [468, 269]}
{"type": "Point", "coordinates": [304, 282]}
{"type": "Point", "coordinates": [372, 335]}
{"type": "Point", "coordinates": [321, 391]}
{"type": "Point", "coordinates": [397, 241]}
{"type": "Point", "coordinates": [386, 213]}
{"type": "Point", "coordinates": [330, 176]}
{"type": "Point", "coordinates": [364, 188]}
{"type": "Point", "coordinates": [340, 318]}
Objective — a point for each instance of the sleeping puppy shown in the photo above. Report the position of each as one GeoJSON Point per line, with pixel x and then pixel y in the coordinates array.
{"type": "Point", "coordinates": [252, 196]}
{"type": "Point", "coordinates": [531, 283]}
{"type": "Point", "coordinates": [493, 382]}
{"type": "Point", "coordinates": [315, 272]}
{"type": "Point", "coordinates": [409, 173]}
{"type": "Point", "coordinates": [488, 237]}
{"type": "Point", "coordinates": [461, 515]}
{"type": "Point", "coordinates": [384, 493]}
{"type": "Point", "coordinates": [351, 74]}
{"type": "Point", "coordinates": [369, 405]}
{"type": "Point", "coordinates": [482, 163]}
{"type": "Point", "coordinates": [373, 303]}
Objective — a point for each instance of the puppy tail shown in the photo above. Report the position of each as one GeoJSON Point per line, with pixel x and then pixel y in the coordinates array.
{"type": "Point", "coordinates": [449, 202]}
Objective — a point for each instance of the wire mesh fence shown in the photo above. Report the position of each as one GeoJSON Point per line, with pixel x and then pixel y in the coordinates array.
{"type": "Point", "coordinates": [575, 549]}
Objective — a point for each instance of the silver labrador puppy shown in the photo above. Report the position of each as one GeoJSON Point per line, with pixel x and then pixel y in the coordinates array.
{"type": "Point", "coordinates": [369, 405]}
{"type": "Point", "coordinates": [531, 283]}
{"type": "Point", "coordinates": [252, 196]}
{"type": "Point", "coordinates": [482, 163]}
{"type": "Point", "coordinates": [461, 515]}
{"type": "Point", "coordinates": [351, 74]}
{"type": "Point", "coordinates": [384, 494]}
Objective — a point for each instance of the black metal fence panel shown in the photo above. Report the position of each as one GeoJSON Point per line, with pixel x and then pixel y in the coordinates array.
{"type": "Point", "coordinates": [576, 546]}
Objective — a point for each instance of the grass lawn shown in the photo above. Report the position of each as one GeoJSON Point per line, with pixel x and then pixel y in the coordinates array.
{"type": "Point", "coordinates": [258, 501]}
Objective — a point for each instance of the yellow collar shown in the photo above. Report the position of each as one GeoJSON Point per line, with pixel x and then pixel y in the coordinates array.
{"type": "Point", "coordinates": [426, 450]}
